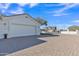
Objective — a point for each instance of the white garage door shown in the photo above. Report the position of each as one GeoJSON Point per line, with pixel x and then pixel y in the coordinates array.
{"type": "Point", "coordinates": [1, 30]}
{"type": "Point", "coordinates": [21, 30]}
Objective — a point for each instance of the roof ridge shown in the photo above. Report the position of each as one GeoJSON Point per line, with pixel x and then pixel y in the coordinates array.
{"type": "Point", "coordinates": [13, 15]}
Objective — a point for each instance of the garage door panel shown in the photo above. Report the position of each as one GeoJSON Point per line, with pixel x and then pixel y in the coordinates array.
{"type": "Point", "coordinates": [1, 30]}
{"type": "Point", "coordinates": [19, 30]}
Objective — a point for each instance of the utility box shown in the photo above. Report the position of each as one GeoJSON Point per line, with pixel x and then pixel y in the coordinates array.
{"type": "Point", "coordinates": [5, 36]}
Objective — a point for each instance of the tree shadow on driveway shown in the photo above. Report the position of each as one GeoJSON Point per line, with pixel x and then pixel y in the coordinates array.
{"type": "Point", "coordinates": [11, 45]}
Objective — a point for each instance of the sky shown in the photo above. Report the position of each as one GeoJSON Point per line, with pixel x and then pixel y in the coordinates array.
{"type": "Point", "coordinates": [61, 15]}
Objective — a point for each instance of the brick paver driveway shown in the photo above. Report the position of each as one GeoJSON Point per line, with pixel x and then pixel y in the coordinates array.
{"type": "Point", "coordinates": [11, 45]}
{"type": "Point", "coordinates": [54, 45]}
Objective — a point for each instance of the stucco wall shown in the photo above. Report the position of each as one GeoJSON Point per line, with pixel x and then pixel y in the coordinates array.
{"type": "Point", "coordinates": [21, 25]}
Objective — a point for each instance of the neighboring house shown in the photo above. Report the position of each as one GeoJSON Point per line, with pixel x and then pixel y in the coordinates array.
{"type": "Point", "coordinates": [69, 32]}
{"type": "Point", "coordinates": [49, 29]}
{"type": "Point", "coordinates": [18, 25]}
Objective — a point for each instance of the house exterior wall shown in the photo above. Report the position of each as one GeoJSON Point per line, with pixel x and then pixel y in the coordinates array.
{"type": "Point", "coordinates": [21, 25]}
{"type": "Point", "coordinates": [1, 29]}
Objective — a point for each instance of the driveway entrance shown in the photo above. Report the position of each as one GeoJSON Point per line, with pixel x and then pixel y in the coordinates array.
{"type": "Point", "coordinates": [11, 45]}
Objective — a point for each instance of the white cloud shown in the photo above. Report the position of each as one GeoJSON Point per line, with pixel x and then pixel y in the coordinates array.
{"type": "Point", "coordinates": [76, 21]}
{"type": "Point", "coordinates": [60, 11]}
{"type": "Point", "coordinates": [67, 6]}
{"type": "Point", "coordinates": [22, 4]}
{"type": "Point", "coordinates": [4, 7]}
{"type": "Point", "coordinates": [61, 14]}
{"type": "Point", "coordinates": [31, 5]}
{"type": "Point", "coordinates": [61, 4]}
{"type": "Point", "coordinates": [64, 4]}
{"type": "Point", "coordinates": [17, 11]}
{"type": "Point", "coordinates": [58, 14]}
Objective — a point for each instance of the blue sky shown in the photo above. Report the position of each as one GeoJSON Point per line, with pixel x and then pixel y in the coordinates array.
{"type": "Point", "coordinates": [61, 15]}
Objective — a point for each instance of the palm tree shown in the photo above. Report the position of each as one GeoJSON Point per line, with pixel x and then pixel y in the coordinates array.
{"type": "Point", "coordinates": [41, 21]}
